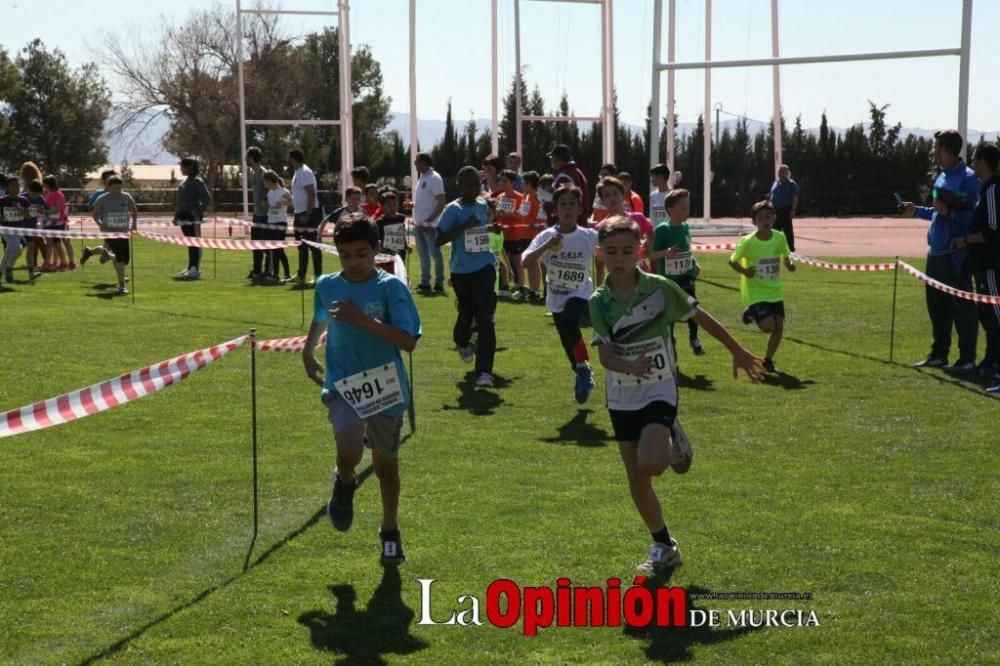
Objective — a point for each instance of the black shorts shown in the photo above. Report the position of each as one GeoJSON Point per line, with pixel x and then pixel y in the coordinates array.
{"type": "Point", "coordinates": [515, 247]}
{"type": "Point", "coordinates": [120, 247]}
{"type": "Point", "coordinates": [763, 310]}
{"type": "Point", "coordinates": [628, 424]}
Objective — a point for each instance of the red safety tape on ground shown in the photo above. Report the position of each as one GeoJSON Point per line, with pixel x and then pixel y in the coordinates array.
{"type": "Point", "coordinates": [708, 247]}
{"type": "Point", "coordinates": [940, 286]}
{"type": "Point", "coordinates": [111, 393]}
{"type": "Point", "coordinates": [295, 345]}
{"type": "Point", "coordinates": [59, 233]}
{"type": "Point", "coordinates": [862, 268]}
{"type": "Point", "coordinates": [218, 243]}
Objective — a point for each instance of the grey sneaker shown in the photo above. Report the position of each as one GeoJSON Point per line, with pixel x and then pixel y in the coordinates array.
{"type": "Point", "coordinates": [931, 362]}
{"type": "Point", "coordinates": [484, 379]}
{"type": "Point", "coordinates": [993, 389]}
{"type": "Point", "coordinates": [662, 557]}
{"type": "Point", "coordinates": [681, 454]}
{"type": "Point", "coordinates": [466, 354]}
{"type": "Point", "coordinates": [960, 367]}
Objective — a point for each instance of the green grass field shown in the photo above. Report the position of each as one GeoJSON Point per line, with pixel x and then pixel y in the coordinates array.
{"type": "Point", "coordinates": [868, 484]}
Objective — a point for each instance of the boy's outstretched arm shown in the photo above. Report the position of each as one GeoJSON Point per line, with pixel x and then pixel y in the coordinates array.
{"type": "Point", "coordinates": [313, 368]}
{"type": "Point", "coordinates": [741, 357]}
{"type": "Point", "coordinates": [348, 312]}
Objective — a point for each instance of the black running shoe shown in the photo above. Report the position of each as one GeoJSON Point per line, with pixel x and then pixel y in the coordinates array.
{"type": "Point", "coordinates": [392, 548]}
{"type": "Point", "coordinates": [768, 365]}
{"type": "Point", "coordinates": [340, 508]}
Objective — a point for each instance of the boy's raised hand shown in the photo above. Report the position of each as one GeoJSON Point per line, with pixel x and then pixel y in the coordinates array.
{"type": "Point", "coordinates": [348, 312]}
{"type": "Point", "coordinates": [752, 365]}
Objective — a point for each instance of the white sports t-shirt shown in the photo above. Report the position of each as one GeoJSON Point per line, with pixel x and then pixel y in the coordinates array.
{"type": "Point", "coordinates": [276, 212]}
{"type": "Point", "coordinates": [567, 265]}
{"type": "Point", "coordinates": [300, 200]}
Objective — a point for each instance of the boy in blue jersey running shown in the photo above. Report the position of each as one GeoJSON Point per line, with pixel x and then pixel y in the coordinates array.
{"type": "Point", "coordinates": [368, 316]}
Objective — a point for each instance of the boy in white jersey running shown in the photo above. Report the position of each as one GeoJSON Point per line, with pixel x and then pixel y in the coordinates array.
{"type": "Point", "coordinates": [566, 250]}
{"type": "Point", "coordinates": [632, 315]}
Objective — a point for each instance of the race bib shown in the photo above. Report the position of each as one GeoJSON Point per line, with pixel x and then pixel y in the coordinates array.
{"type": "Point", "coordinates": [627, 206]}
{"type": "Point", "coordinates": [768, 269]}
{"type": "Point", "coordinates": [477, 239]}
{"type": "Point", "coordinates": [277, 216]}
{"type": "Point", "coordinates": [35, 211]}
{"type": "Point", "coordinates": [12, 215]}
{"type": "Point", "coordinates": [656, 350]}
{"type": "Point", "coordinates": [395, 237]}
{"type": "Point", "coordinates": [658, 215]}
{"type": "Point", "coordinates": [525, 209]}
{"type": "Point", "coordinates": [565, 275]}
{"type": "Point", "coordinates": [505, 205]}
{"type": "Point", "coordinates": [371, 391]}
{"type": "Point", "coordinates": [678, 265]}
{"type": "Point", "coordinates": [117, 222]}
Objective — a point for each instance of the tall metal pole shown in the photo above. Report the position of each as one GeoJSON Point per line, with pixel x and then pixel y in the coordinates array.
{"type": "Point", "coordinates": [243, 108]}
{"type": "Point", "coordinates": [776, 86]}
{"type": "Point", "coordinates": [718, 108]}
{"type": "Point", "coordinates": [518, 111]}
{"type": "Point", "coordinates": [608, 38]}
{"type": "Point", "coordinates": [346, 95]}
{"type": "Point", "coordinates": [654, 103]}
{"type": "Point", "coordinates": [963, 71]}
{"type": "Point", "coordinates": [495, 115]}
{"type": "Point", "coordinates": [707, 116]}
{"type": "Point", "coordinates": [414, 141]}
{"type": "Point", "coordinates": [671, 53]}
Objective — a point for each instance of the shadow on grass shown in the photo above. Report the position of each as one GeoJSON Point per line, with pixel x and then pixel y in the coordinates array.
{"type": "Point", "coordinates": [478, 400]}
{"type": "Point", "coordinates": [578, 431]}
{"type": "Point", "coordinates": [122, 643]}
{"type": "Point", "coordinates": [787, 381]}
{"type": "Point", "coordinates": [671, 644]}
{"type": "Point", "coordinates": [364, 636]}
{"type": "Point", "coordinates": [930, 374]}
{"type": "Point", "coordinates": [696, 382]}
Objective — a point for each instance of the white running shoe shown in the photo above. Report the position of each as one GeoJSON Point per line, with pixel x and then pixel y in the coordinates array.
{"type": "Point", "coordinates": [194, 274]}
{"type": "Point", "coordinates": [662, 557]}
{"type": "Point", "coordinates": [484, 379]}
{"type": "Point", "coordinates": [184, 273]}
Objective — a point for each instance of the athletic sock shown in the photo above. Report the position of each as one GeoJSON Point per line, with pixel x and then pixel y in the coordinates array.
{"type": "Point", "coordinates": [580, 351]}
{"type": "Point", "coordinates": [663, 536]}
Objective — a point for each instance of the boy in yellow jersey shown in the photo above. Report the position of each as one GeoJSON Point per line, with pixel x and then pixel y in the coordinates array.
{"type": "Point", "coordinates": [757, 258]}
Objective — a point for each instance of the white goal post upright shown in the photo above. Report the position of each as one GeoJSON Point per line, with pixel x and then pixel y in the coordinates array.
{"type": "Point", "coordinates": [344, 86]}
{"type": "Point", "coordinates": [962, 51]}
{"type": "Point", "coordinates": [607, 115]}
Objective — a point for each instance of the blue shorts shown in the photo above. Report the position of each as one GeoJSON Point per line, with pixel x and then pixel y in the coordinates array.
{"type": "Point", "coordinates": [381, 431]}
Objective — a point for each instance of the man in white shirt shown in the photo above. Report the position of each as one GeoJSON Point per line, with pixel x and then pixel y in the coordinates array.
{"type": "Point", "coordinates": [307, 214]}
{"type": "Point", "coordinates": [428, 202]}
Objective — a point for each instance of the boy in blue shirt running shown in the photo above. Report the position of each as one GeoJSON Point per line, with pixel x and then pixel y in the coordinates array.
{"type": "Point", "coordinates": [368, 316]}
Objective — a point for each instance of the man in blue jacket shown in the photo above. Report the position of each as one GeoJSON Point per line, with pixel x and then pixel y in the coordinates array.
{"type": "Point", "coordinates": [955, 192]}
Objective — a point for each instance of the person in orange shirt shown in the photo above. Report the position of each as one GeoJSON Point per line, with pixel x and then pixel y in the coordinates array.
{"type": "Point", "coordinates": [633, 202]}
{"type": "Point", "coordinates": [372, 206]}
{"type": "Point", "coordinates": [533, 214]}
{"type": "Point", "coordinates": [516, 234]}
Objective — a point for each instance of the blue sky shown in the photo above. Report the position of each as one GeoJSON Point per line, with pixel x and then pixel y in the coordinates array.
{"type": "Point", "coordinates": [561, 48]}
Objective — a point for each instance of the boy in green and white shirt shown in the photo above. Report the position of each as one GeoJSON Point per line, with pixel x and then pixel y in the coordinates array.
{"type": "Point", "coordinates": [672, 256]}
{"type": "Point", "coordinates": [633, 314]}
{"type": "Point", "coordinates": [757, 258]}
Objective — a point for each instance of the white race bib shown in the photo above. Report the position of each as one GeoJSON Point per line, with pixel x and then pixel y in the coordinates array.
{"type": "Point", "coordinates": [117, 222]}
{"type": "Point", "coordinates": [565, 275]}
{"type": "Point", "coordinates": [658, 215]}
{"type": "Point", "coordinates": [768, 269]}
{"type": "Point", "coordinates": [505, 205]}
{"type": "Point", "coordinates": [12, 215]}
{"type": "Point", "coordinates": [277, 216]}
{"type": "Point", "coordinates": [525, 209]}
{"type": "Point", "coordinates": [36, 211]}
{"type": "Point", "coordinates": [371, 391]}
{"type": "Point", "coordinates": [477, 239]}
{"type": "Point", "coordinates": [395, 237]}
{"type": "Point", "coordinates": [660, 368]}
{"type": "Point", "coordinates": [679, 264]}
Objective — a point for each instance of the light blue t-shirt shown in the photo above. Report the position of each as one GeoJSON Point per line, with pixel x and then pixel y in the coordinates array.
{"type": "Point", "coordinates": [349, 349]}
{"type": "Point", "coordinates": [455, 214]}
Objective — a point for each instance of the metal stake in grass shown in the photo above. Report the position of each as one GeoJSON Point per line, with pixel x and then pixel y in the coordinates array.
{"type": "Point", "coordinates": [253, 422]}
{"type": "Point", "coordinates": [892, 327]}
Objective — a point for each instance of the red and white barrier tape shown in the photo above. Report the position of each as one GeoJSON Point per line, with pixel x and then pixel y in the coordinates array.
{"type": "Point", "coordinates": [217, 243]}
{"type": "Point", "coordinates": [59, 233]}
{"type": "Point", "coordinates": [332, 249]}
{"type": "Point", "coordinates": [709, 247]}
{"type": "Point", "coordinates": [111, 393]}
{"type": "Point", "coordinates": [862, 268]}
{"type": "Point", "coordinates": [940, 286]}
{"type": "Point", "coordinates": [295, 345]}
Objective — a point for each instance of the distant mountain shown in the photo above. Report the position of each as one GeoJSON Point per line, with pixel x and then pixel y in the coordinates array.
{"type": "Point", "coordinates": [141, 144]}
